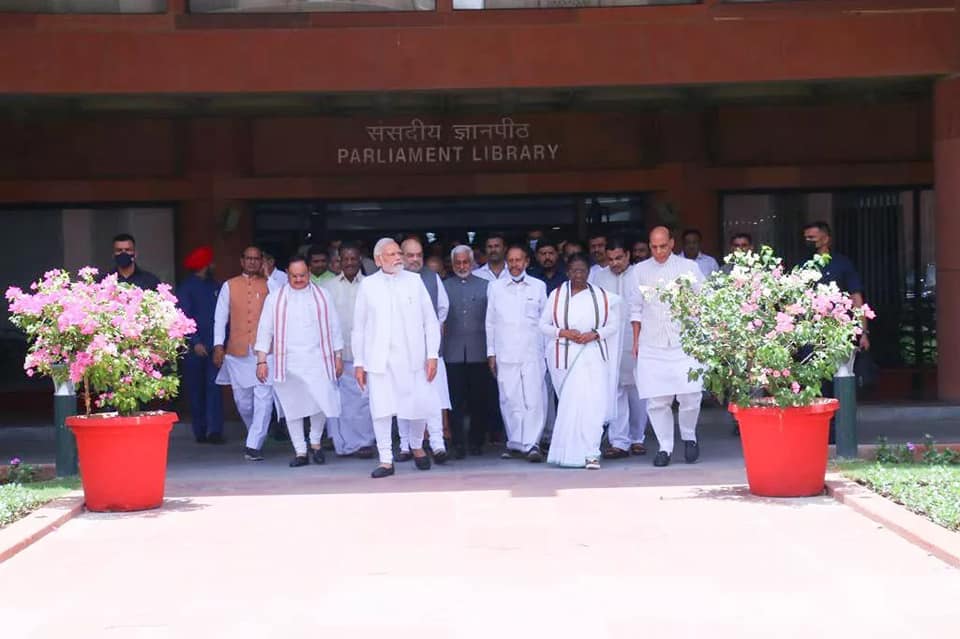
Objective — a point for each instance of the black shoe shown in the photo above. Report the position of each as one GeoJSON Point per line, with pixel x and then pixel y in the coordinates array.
{"type": "Point", "coordinates": [405, 456]}
{"type": "Point", "coordinates": [252, 454]}
{"type": "Point", "coordinates": [662, 459]}
{"type": "Point", "coordinates": [216, 438]}
{"type": "Point", "coordinates": [535, 456]}
{"type": "Point", "coordinates": [459, 452]}
{"type": "Point", "coordinates": [422, 463]}
{"type": "Point", "coordinates": [691, 452]}
{"type": "Point", "coordinates": [298, 461]}
{"type": "Point", "coordinates": [201, 439]}
{"type": "Point", "coordinates": [440, 456]}
{"type": "Point", "coordinates": [380, 471]}
{"type": "Point", "coordinates": [476, 450]}
{"type": "Point", "coordinates": [317, 454]}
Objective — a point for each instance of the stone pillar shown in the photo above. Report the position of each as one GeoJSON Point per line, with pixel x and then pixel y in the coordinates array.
{"type": "Point", "coordinates": [946, 160]}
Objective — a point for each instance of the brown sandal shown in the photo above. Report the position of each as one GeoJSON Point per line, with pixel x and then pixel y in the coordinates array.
{"type": "Point", "coordinates": [615, 453]}
{"type": "Point", "coordinates": [638, 449]}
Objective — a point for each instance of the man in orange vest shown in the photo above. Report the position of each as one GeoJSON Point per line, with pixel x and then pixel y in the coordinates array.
{"type": "Point", "coordinates": [239, 305]}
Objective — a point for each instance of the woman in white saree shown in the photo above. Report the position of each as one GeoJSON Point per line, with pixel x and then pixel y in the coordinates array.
{"type": "Point", "coordinates": [582, 324]}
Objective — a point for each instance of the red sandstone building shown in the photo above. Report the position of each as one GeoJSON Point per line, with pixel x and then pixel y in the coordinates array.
{"type": "Point", "coordinates": [227, 121]}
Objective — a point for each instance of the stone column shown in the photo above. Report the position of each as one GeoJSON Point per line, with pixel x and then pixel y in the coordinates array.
{"type": "Point", "coordinates": [946, 159]}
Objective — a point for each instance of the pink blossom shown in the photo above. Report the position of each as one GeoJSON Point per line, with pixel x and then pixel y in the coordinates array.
{"type": "Point", "coordinates": [748, 307]}
{"type": "Point", "coordinates": [776, 373]}
{"type": "Point", "coordinates": [868, 312]}
{"type": "Point", "coordinates": [786, 372]}
{"type": "Point", "coordinates": [758, 322]}
{"type": "Point", "coordinates": [795, 387]}
{"type": "Point", "coordinates": [784, 323]}
{"type": "Point", "coordinates": [794, 309]}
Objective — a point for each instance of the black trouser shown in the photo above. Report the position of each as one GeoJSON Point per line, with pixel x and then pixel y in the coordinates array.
{"type": "Point", "coordinates": [469, 395]}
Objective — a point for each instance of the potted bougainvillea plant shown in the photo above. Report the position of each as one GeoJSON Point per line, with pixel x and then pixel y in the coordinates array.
{"type": "Point", "coordinates": [766, 339]}
{"type": "Point", "coordinates": [119, 344]}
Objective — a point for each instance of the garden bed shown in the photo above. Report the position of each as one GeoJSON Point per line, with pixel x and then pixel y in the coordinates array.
{"type": "Point", "coordinates": [19, 500]}
{"type": "Point", "coordinates": [931, 490]}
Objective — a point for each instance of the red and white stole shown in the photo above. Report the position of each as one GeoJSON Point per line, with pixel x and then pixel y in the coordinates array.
{"type": "Point", "coordinates": [280, 331]}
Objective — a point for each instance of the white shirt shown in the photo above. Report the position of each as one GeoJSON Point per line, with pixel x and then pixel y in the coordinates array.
{"type": "Point", "coordinates": [513, 319]}
{"type": "Point", "coordinates": [276, 280]}
{"type": "Point", "coordinates": [485, 273]}
{"type": "Point", "coordinates": [344, 295]}
{"type": "Point", "coordinates": [391, 307]}
{"type": "Point", "coordinates": [594, 271]}
{"type": "Point", "coordinates": [706, 264]}
{"type": "Point", "coordinates": [657, 327]}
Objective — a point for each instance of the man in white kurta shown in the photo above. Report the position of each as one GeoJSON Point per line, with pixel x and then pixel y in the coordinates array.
{"type": "Point", "coordinates": [233, 354]}
{"type": "Point", "coordinates": [515, 354]}
{"type": "Point", "coordinates": [412, 252]}
{"type": "Point", "coordinates": [352, 432]}
{"type": "Point", "coordinates": [662, 365]}
{"type": "Point", "coordinates": [625, 432]}
{"type": "Point", "coordinates": [299, 327]}
{"type": "Point", "coordinates": [396, 341]}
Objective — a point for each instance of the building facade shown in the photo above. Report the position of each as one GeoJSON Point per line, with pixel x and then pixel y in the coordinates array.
{"type": "Point", "coordinates": [189, 122]}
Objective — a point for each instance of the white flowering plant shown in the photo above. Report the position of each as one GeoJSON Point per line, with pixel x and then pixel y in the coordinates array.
{"type": "Point", "coordinates": [764, 335]}
{"type": "Point", "coordinates": [120, 341]}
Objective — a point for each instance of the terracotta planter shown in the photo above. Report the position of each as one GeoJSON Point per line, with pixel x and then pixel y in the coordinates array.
{"type": "Point", "coordinates": [123, 460]}
{"type": "Point", "coordinates": [785, 449]}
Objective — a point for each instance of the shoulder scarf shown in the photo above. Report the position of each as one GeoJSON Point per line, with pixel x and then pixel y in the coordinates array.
{"type": "Point", "coordinates": [597, 323]}
{"type": "Point", "coordinates": [280, 332]}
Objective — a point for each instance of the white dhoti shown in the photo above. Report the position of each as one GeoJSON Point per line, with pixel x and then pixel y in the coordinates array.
{"type": "Point", "coordinates": [353, 430]}
{"type": "Point", "coordinates": [254, 399]}
{"type": "Point", "coordinates": [662, 375]}
{"type": "Point", "coordinates": [522, 390]}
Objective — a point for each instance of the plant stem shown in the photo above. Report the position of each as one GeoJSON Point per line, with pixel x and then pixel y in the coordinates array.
{"type": "Point", "coordinates": [86, 392]}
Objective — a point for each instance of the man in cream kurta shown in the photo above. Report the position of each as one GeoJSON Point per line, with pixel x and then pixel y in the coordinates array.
{"type": "Point", "coordinates": [299, 327]}
{"type": "Point", "coordinates": [515, 354]}
{"type": "Point", "coordinates": [239, 305]}
{"type": "Point", "coordinates": [396, 341]}
{"type": "Point", "coordinates": [662, 366]}
{"type": "Point", "coordinates": [625, 432]}
{"type": "Point", "coordinates": [352, 432]}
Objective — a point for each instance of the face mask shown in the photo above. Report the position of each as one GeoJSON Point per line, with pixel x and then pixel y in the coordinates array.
{"type": "Point", "coordinates": [123, 260]}
{"type": "Point", "coordinates": [811, 245]}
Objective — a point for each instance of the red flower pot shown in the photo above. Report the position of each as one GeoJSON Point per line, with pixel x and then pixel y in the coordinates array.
{"type": "Point", "coordinates": [123, 460]}
{"type": "Point", "coordinates": [785, 449]}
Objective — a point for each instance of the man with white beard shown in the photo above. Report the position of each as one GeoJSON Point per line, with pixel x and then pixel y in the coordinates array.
{"type": "Point", "coordinates": [662, 366]}
{"type": "Point", "coordinates": [625, 432]}
{"type": "Point", "coordinates": [299, 327]}
{"type": "Point", "coordinates": [412, 251]}
{"type": "Point", "coordinates": [515, 354]}
{"type": "Point", "coordinates": [396, 341]}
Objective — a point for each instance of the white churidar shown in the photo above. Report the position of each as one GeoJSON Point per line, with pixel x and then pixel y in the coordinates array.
{"type": "Point", "coordinates": [300, 328]}
{"type": "Point", "coordinates": [253, 398]}
{"type": "Point", "coordinates": [514, 338]}
{"type": "Point", "coordinates": [295, 428]}
{"type": "Point", "coordinates": [660, 410]}
{"type": "Point", "coordinates": [582, 374]}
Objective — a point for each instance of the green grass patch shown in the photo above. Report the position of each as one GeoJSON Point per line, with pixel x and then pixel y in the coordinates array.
{"type": "Point", "coordinates": [18, 500]}
{"type": "Point", "coordinates": [926, 489]}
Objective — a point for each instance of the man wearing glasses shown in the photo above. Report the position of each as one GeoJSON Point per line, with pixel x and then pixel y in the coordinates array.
{"type": "Point", "coordinates": [239, 305]}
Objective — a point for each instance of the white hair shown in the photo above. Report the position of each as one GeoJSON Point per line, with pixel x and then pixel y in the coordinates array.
{"type": "Point", "coordinates": [461, 248]}
{"type": "Point", "coordinates": [382, 244]}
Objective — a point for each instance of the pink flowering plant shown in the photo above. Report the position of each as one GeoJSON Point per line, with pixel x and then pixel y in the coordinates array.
{"type": "Point", "coordinates": [764, 335]}
{"type": "Point", "coordinates": [117, 340]}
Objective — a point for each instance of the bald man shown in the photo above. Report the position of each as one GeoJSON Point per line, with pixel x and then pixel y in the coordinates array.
{"type": "Point", "coordinates": [662, 366]}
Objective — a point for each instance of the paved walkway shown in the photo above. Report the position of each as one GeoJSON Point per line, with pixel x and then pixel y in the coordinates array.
{"type": "Point", "coordinates": [480, 550]}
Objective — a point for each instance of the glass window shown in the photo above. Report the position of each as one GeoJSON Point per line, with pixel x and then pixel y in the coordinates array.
{"type": "Point", "coordinates": [83, 6]}
{"type": "Point", "coordinates": [558, 4]}
{"type": "Point", "coordinates": [293, 6]}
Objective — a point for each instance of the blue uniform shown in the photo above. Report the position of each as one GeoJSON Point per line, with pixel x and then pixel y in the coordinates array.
{"type": "Point", "coordinates": [198, 300]}
{"type": "Point", "coordinates": [842, 271]}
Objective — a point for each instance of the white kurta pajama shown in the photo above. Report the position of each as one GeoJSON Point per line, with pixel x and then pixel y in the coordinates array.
{"type": "Point", "coordinates": [662, 370]}
{"type": "Point", "coordinates": [630, 419]}
{"type": "Point", "coordinates": [353, 430]}
{"type": "Point", "coordinates": [395, 332]}
{"type": "Point", "coordinates": [514, 338]}
{"type": "Point", "coordinates": [582, 374]}
{"type": "Point", "coordinates": [434, 423]}
{"type": "Point", "coordinates": [301, 329]}
{"type": "Point", "coordinates": [254, 399]}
